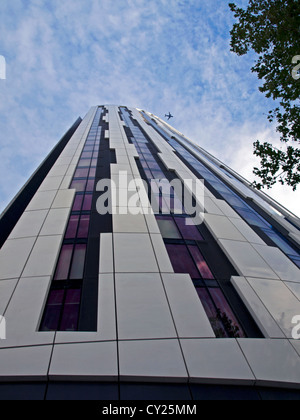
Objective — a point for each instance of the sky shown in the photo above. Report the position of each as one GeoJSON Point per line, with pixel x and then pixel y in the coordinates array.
{"type": "Point", "coordinates": [62, 57]}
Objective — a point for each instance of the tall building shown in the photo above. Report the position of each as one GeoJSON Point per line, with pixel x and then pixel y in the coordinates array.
{"type": "Point", "coordinates": [136, 265]}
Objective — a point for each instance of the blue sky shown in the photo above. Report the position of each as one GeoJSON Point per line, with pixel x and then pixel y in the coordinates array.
{"type": "Point", "coordinates": [161, 55]}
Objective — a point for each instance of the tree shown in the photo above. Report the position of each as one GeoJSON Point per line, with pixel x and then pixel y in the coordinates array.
{"type": "Point", "coordinates": [271, 28]}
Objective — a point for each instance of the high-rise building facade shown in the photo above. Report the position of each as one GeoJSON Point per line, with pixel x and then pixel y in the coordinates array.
{"type": "Point", "coordinates": [135, 265]}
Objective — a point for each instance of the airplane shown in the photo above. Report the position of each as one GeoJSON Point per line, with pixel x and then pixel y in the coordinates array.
{"type": "Point", "coordinates": [169, 116]}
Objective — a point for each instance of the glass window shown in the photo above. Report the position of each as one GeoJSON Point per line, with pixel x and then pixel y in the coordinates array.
{"type": "Point", "coordinates": [296, 260]}
{"type": "Point", "coordinates": [153, 165]}
{"type": "Point", "coordinates": [219, 186]}
{"type": "Point", "coordinates": [161, 205]}
{"type": "Point", "coordinates": [78, 184]}
{"type": "Point", "coordinates": [176, 205]}
{"type": "Point", "coordinates": [81, 173]}
{"type": "Point", "coordinates": [94, 162]}
{"type": "Point", "coordinates": [72, 227]}
{"type": "Point", "coordinates": [84, 163]}
{"type": "Point", "coordinates": [157, 174]}
{"type": "Point", "coordinates": [83, 229]}
{"type": "Point", "coordinates": [225, 313]}
{"type": "Point", "coordinates": [52, 311]}
{"type": "Point", "coordinates": [90, 185]}
{"type": "Point", "coordinates": [77, 202]}
{"type": "Point", "coordinates": [87, 204]}
{"type": "Point", "coordinates": [64, 261]}
{"type": "Point", "coordinates": [234, 201]}
{"type": "Point", "coordinates": [189, 232]}
{"type": "Point", "coordinates": [252, 218]}
{"type": "Point", "coordinates": [211, 312]}
{"type": "Point", "coordinates": [168, 228]}
{"type": "Point", "coordinates": [181, 260]}
{"type": "Point", "coordinates": [280, 242]}
{"type": "Point", "coordinates": [71, 310]}
{"type": "Point", "coordinates": [200, 262]}
{"type": "Point", "coordinates": [86, 155]}
{"type": "Point", "coordinates": [78, 262]}
{"type": "Point", "coordinates": [92, 173]}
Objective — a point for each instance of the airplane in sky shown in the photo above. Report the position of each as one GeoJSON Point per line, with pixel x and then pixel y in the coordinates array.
{"type": "Point", "coordinates": [169, 116]}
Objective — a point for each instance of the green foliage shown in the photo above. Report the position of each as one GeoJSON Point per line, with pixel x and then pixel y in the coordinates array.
{"type": "Point", "coordinates": [271, 28]}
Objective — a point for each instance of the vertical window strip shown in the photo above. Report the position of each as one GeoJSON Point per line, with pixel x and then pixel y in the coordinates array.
{"type": "Point", "coordinates": [251, 216]}
{"type": "Point", "coordinates": [184, 251]}
{"type": "Point", "coordinates": [63, 304]}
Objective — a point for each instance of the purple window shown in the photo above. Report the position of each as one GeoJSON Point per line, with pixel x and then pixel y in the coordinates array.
{"type": "Point", "coordinates": [189, 232]}
{"type": "Point", "coordinates": [78, 262]}
{"type": "Point", "coordinates": [72, 227]}
{"type": "Point", "coordinates": [79, 185]}
{"type": "Point", "coordinates": [211, 312]}
{"type": "Point", "coordinates": [77, 202]}
{"type": "Point", "coordinates": [81, 173]}
{"type": "Point", "coordinates": [52, 311]}
{"type": "Point", "coordinates": [225, 313]}
{"type": "Point", "coordinates": [90, 185]}
{"type": "Point", "coordinates": [87, 204]}
{"type": "Point", "coordinates": [200, 262]}
{"type": "Point", "coordinates": [152, 164]}
{"type": "Point", "coordinates": [86, 155]}
{"type": "Point", "coordinates": [92, 173]}
{"type": "Point", "coordinates": [94, 162]}
{"type": "Point", "coordinates": [181, 260]}
{"type": "Point", "coordinates": [83, 227]}
{"type": "Point", "coordinates": [163, 205]}
{"type": "Point", "coordinates": [63, 265]}
{"type": "Point", "coordinates": [176, 205]}
{"type": "Point", "coordinates": [157, 174]}
{"type": "Point", "coordinates": [84, 162]}
{"type": "Point", "coordinates": [71, 310]}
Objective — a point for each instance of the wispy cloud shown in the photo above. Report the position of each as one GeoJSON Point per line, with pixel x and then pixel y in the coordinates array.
{"type": "Point", "coordinates": [159, 55]}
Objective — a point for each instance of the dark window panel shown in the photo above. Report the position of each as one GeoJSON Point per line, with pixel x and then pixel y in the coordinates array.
{"type": "Point", "coordinates": [201, 263]}
{"type": "Point", "coordinates": [90, 185]}
{"type": "Point", "coordinates": [76, 272]}
{"type": "Point", "coordinates": [211, 312]}
{"type": "Point", "coordinates": [230, 322]}
{"type": "Point", "coordinates": [189, 232]}
{"type": "Point", "coordinates": [72, 227]}
{"type": "Point", "coordinates": [181, 260]}
{"type": "Point", "coordinates": [70, 314]}
{"type": "Point", "coordinates": [77, 202]}
{"type": "Point", "coordinates": [64, 261]}
{"type": "Point", "coordinates": [81, 173]}
{"type": "Point", "coordinates": [83, 227]}
{"type": "Point", "coordinates": [52, 311]}
{"type": "Point", "coordinates": [87, 204]}
{"type": "Point", "coordinates": [252, 218]}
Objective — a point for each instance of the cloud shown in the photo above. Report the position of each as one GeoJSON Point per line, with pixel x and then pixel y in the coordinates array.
{"type": "Point", "coordinates": [163, 55]}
